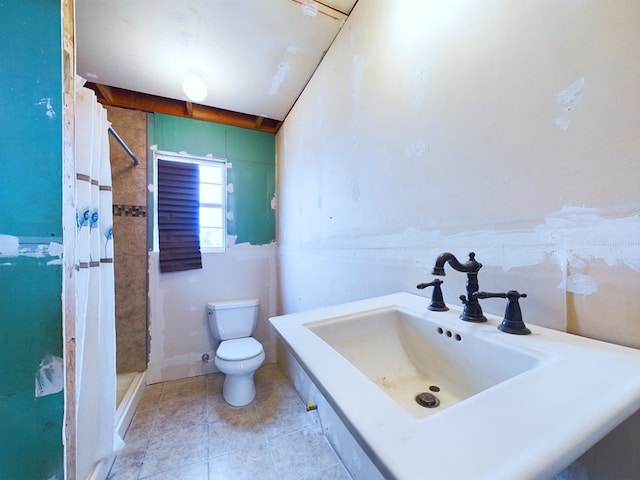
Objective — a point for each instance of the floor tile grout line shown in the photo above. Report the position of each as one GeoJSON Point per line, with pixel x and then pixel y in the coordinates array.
{"type": "Point", "coordinates": [149, 432]}
{"type": "Point", "coordinates": [152, 432]}
{"type": "Point", "coordinates": [270, 449]}
{"type": "Point", "coordinates": [211, 398]}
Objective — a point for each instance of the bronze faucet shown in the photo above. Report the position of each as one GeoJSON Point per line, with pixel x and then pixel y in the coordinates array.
{"type": "Point", "coordinates": [472, 311]}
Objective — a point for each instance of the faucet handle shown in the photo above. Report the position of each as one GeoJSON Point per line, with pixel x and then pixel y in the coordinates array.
{"type": "Point", "coordinates": [512, 322]}
{"type": "Point", "coordinates": [511, 294]}
{"type": "Point", "coordinates": [437, 302]}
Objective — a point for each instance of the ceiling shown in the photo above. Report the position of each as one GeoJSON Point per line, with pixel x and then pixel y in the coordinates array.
{"type": "Point", "coordinates": [255, 56]}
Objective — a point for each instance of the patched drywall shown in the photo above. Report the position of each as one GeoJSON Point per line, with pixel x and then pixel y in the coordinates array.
{"type": "Point", "coordinates": [50, 376]}
{"type": "Point", "coordinates": [470, 130]}
{"type": "Point", "coordinates": [31, 344]}
{"type": "Point", "coordinates": [251, 173]}
{"type": "Point", "coordinates": [178, 328]}
{"type": "Point", "coordinates": [505, 128]}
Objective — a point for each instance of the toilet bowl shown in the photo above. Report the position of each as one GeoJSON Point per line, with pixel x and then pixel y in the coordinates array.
{"type": "Point", "coordinates": [239, 355]}
{"type": "Point", "coordinates": [232, 359]}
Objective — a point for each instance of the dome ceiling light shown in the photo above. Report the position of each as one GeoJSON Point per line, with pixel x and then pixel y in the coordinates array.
{"type": "Point", "coordinates": [194, 87]}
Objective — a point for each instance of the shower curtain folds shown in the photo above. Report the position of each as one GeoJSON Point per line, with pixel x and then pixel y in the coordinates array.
{"type": "Point", "coordinates": [96, 439]}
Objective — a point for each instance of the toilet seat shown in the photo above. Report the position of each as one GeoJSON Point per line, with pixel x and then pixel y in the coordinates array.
{"type": "Point", "coordinates": [239, 349]}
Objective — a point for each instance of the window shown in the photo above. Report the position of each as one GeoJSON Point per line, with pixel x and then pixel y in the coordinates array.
{"type": "Point", "coordinates": [190, 201]}
{"type": "Point", "coordinates": [212, 209]}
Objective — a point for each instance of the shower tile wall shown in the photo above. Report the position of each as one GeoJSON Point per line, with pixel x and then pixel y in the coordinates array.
{"type": "Point", "coordinates": [130, 238]}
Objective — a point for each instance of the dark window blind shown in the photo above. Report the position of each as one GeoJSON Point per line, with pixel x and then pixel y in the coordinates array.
{"type": "Point", "coordinates": [178, 216]}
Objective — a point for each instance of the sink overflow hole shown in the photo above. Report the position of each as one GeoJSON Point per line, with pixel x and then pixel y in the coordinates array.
{"type": "Point", "coordinates": [449, 333]}
{"type": "Point", "coordinates": [434, 388]}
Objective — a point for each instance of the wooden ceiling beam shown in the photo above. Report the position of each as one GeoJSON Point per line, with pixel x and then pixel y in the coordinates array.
{"type": "Point", "coordinates": [118, 97]}
{"type": "Point", "coordinates": [105, 91]}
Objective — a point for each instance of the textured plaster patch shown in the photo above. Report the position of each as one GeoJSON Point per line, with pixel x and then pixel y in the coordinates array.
{"type": "Point", "coordinates": [50, 376]}
{"type": "Point", "coordinates": [55, 250]}
{"type": "Point", "coordinates": [419, 81]}
{"type": "Point", "coordinates": [279, 78]}
{"type": "Point", "coordinates": [571, 238]}
{"type": "Point", "coordinates": [49, 111]}
{"type": "Point", "coordinates": [9, 246]}
{"type": "Point", "coordinates": [581, 284]}
{"type": "Point", "coordinates": [415, 149]}
{"type": "Point", "coordinates": [356, 76]}
{"type": "Point", "coordinates": [567, 100]}
{"type": "Point", "coordinates": [310, 9]}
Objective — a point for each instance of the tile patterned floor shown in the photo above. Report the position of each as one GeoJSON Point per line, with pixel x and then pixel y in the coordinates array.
{"type": "Point", "coordinates": [184, 430]}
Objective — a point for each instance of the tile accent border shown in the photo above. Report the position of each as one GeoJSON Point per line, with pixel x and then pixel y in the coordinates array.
{"type": "Point", "coordinates": [129, 211]}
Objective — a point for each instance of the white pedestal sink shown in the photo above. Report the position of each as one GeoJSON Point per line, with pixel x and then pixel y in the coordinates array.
{"type": "Point", "coordinates": [509, 406]}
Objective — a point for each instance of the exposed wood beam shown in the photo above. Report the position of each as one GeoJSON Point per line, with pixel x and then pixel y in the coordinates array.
{"type": "Point", "coordinates": [117, 97]}
{"type": "Point", "coordinates": [105, 91]}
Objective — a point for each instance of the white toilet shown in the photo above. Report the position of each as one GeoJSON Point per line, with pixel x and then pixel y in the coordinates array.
{"type": "Point", "coordinates": [239, 355]}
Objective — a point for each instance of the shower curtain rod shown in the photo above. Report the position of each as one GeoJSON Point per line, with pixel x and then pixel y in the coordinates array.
{"type": "Point", "coordinates": [124, 145]}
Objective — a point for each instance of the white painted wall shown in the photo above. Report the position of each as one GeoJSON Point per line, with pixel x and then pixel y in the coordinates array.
{"type": "Point", "coordinates": [506, 128]}
{"type": "Point", "coordinates": [177, 307]}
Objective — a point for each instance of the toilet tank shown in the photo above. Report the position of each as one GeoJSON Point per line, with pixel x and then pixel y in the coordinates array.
{"type": "Point", "coordinates": [232, 318]}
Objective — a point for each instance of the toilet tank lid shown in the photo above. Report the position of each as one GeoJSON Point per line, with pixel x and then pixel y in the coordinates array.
{"type": "Point", "coordinates": [223, 304]}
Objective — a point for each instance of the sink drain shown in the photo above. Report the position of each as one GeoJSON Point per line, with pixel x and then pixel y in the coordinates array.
{"type": "Point", "coordinates": [428, 400]}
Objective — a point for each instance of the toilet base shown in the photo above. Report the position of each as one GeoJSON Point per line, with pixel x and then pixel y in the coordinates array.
{"type": "Point", "coordinates": [239, 390]}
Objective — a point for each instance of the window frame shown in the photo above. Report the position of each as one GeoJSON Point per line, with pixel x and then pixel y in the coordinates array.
{"type": "Point", "coordinates": [184, 157]}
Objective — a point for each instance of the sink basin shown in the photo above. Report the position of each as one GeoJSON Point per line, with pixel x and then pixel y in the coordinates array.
{"type": "Point", "coordinates": [406, 354]}
{"type": "Point", "coordinates": [510, 406]}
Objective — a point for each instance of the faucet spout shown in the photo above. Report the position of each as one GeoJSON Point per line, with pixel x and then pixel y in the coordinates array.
{"type": "Point", "coordinates": [472, 266]}
{"type": "Point", "coordinates": [472, 311]}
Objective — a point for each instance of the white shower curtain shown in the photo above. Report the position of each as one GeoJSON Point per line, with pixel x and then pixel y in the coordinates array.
{"type": "Point", "coordinates": [96, 439]}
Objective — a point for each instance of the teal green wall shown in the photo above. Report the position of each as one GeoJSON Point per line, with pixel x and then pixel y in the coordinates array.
{"type": "Point", "coordinates": [30, 209]}
{"type": "Point", "coordinates": [252, 155]}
